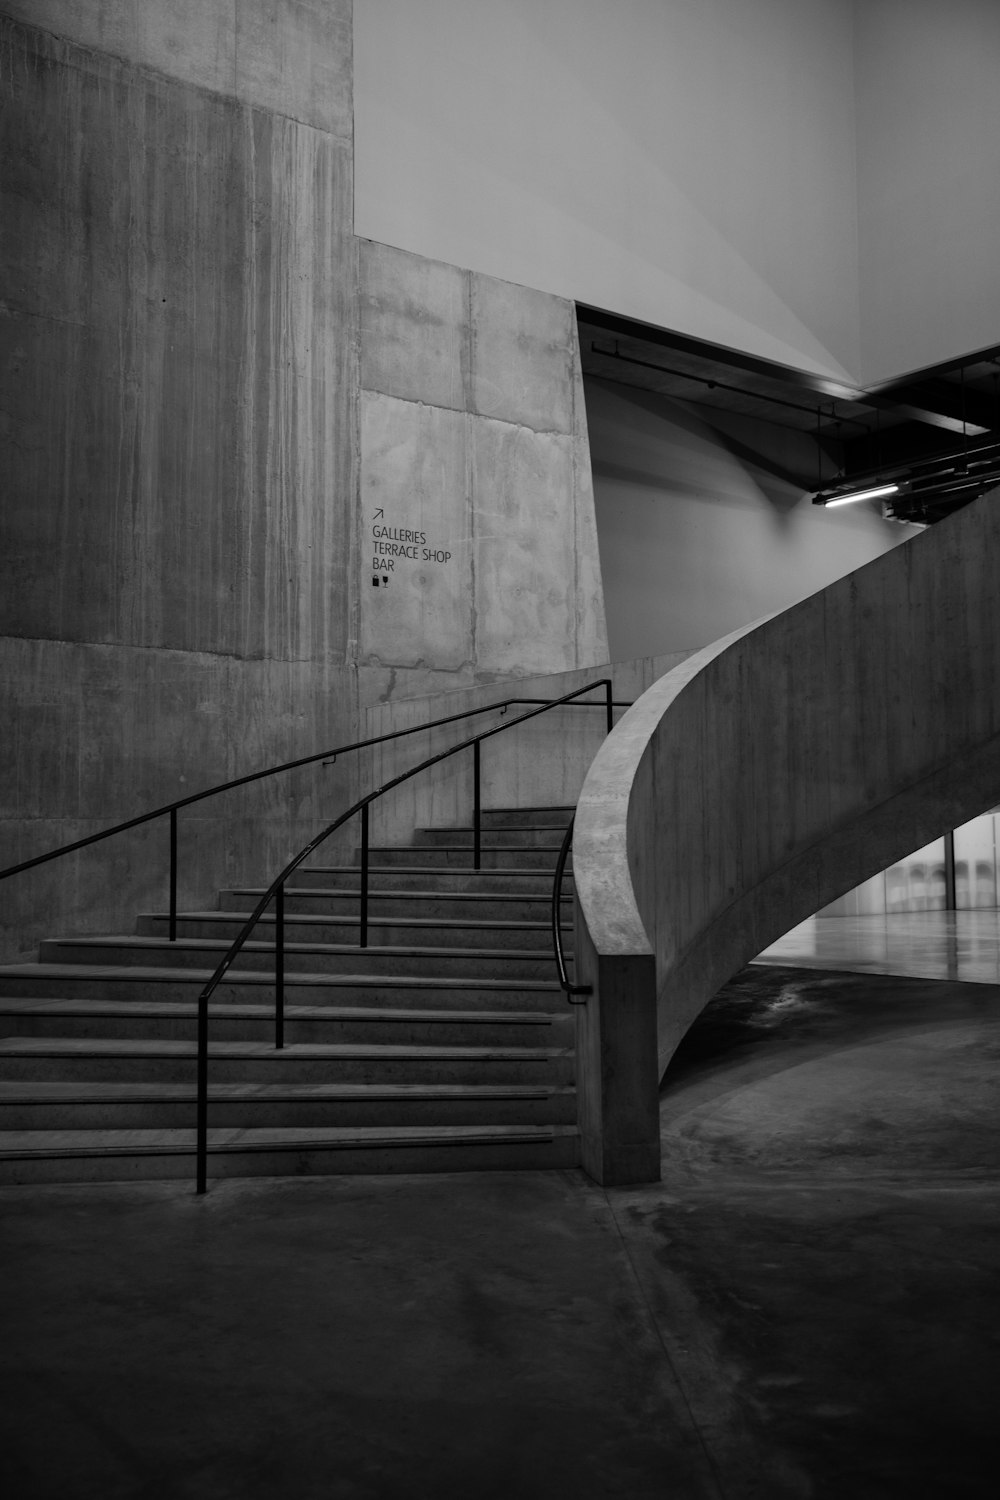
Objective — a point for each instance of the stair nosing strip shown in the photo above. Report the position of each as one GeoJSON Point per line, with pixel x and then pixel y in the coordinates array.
{"type": "Point", "coordinates": [153, 974]}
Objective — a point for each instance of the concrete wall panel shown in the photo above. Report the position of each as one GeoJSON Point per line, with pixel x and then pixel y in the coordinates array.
{"type": "Point", "coordinates": [522, 488]}
{"type": "Point", "coordinates": [295, 58]}
{"type": "Point", "coordinates": [178, 359]}
{"type": "Point", "coordinates": [186, 39]}
{"type": "Point", "coordinates": [414, 326]}
{"type": "Point", "coordinates": [414, 485]}
{"type": "Point", "coordinates": [178, 369]}
{"type": "Point", "coordinates": [98, 734]}
{"type": "Point", "coordinates": [291, 58]}
{"type": "Point", "coordinates": [591, 615]}
{"type": "Point", "coordinates": [522, 363]}
{"type": "Point", "coordinates": [474, 431]}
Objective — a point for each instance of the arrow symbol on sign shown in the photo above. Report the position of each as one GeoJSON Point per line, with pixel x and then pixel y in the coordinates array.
{"type": "Point", "coordinates": [377, 514]}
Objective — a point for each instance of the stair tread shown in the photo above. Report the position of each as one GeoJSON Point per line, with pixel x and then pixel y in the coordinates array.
{"type": "Point", "coordinates": [567, 807]}
{"type": "Point", "coordinates": [486, 831]}
{"type": "Point", "coordinates": [317, 892]}
{"type": "Point", "coordinates": [46, 1005]}
{"type": "Point", "coordinates": [485, 828]}
{"type": "Point", "coordinates": [17, 1091]}
{"type": "Point", "coordinates": [390, 950]}
{"type": "Point", "coordinates": [492, 870]}
{"type": "Point", "coordinates": [305, 919]}
{"type": "Point", "coordinates": [26, 1046]}
{"type": "Point", "coordinates": [416, 848]}
{"type": "Point", "coordinates": [49, 1143]}
{"type": "Point", "coordinates": [153, 974]}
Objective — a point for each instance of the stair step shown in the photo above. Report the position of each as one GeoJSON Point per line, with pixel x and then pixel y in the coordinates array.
{"type": "Point", "coordinates": [421, 904]}
{"type": "Point", "coordinates": [139, 982]}
{"type": "Point", "coordinates": [95, 1018]}
{"type": "Point", "coordinates": [444, 1044]}
{"type": "Point", "coordinates": [386, 959]}
{"type": "Point", "coordinates": [121, 1155]}
{"type": "Point", "coordinates": [306, 927]}
{"type": "Point", "coordinates": [501, 879]}
{"type": "Point", "coordinates": [108, 1059]}
{"type": "Point", "coordinates": [97, 1106]}
{"type": "Point", "coordinates": [450, 854]}
{"type": "Point", "coordinates": [509, 836]}
{"type": "Point", "coordinates": [521, 817]}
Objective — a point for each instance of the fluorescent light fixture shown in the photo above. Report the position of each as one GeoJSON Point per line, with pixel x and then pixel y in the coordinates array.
{"type": "Point", "coordinates": [874, 494]}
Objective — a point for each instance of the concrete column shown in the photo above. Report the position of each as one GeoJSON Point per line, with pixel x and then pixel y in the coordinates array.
{"type": "Point", "coordinates": [617, 1079]}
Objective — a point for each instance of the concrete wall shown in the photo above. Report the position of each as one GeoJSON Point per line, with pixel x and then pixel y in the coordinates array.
{"type": "Point", "coordinates": [478, 541]}
{"type": "Point", "coordinates": [929, 213]}
{"type": "Point", "coordinates": [694, 541]}
{"type": "Point", "coordinates": [288, 57]}
{"type": "Point", "coordinates": [193, 470]}
{"type": "Point", "coordinates": [691, 163]}
{"type": "Point", "coordinates": [178, 397]}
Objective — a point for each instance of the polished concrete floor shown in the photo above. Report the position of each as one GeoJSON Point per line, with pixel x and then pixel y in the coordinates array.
{"type": "Point", "coordinates": [926, 944]}
{"type": "Point", "coordinates": [808, 1304]}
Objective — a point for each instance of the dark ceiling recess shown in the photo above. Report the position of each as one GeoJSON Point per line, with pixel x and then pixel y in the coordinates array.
{"type": "Point", "coordinates": [932, 437]}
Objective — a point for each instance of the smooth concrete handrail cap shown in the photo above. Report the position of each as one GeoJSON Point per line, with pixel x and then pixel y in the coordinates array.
{"type": "Point", "coordinates": [600, 839]}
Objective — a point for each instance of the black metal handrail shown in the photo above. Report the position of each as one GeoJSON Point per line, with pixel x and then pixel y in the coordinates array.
{"type": "Point", "coordinates": [569, 989]}
{"type": "Point", "coordinates": [276, 890]}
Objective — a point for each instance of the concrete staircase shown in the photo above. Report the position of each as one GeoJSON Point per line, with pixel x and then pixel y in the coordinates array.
{"type": "Point", "coordinates": [445, 1045]}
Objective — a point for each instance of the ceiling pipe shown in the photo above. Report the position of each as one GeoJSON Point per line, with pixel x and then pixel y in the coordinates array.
{"type": "Point", "coordinates": [722, 385]}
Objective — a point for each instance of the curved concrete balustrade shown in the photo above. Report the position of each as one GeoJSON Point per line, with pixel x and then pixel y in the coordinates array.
{"type": "Point", "coordinates": [768, 774]}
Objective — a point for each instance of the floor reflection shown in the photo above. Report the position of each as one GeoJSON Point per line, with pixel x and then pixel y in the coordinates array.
{"type": "Point", "coordinates": [962, 945]}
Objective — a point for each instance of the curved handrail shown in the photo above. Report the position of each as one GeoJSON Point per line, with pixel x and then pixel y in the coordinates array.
{"type": "Point", "coordinates": [276, 890]}
{"type": "Point", "coordinates": [603, 875]}
{"type": "Point", "coordinates": [568, 988]}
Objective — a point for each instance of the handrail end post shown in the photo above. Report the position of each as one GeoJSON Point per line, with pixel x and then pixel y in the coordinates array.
{"type": "Point", "coordinates": [279, 967]}
{"type": "Point", "coordinates": [173, 876]}
{"type": "Point", "coordinates": [201, 1130]}
{"type": "Point", "coordinates": [363, 914]}
{"type": "Point", "coordinates": [477, 813]}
